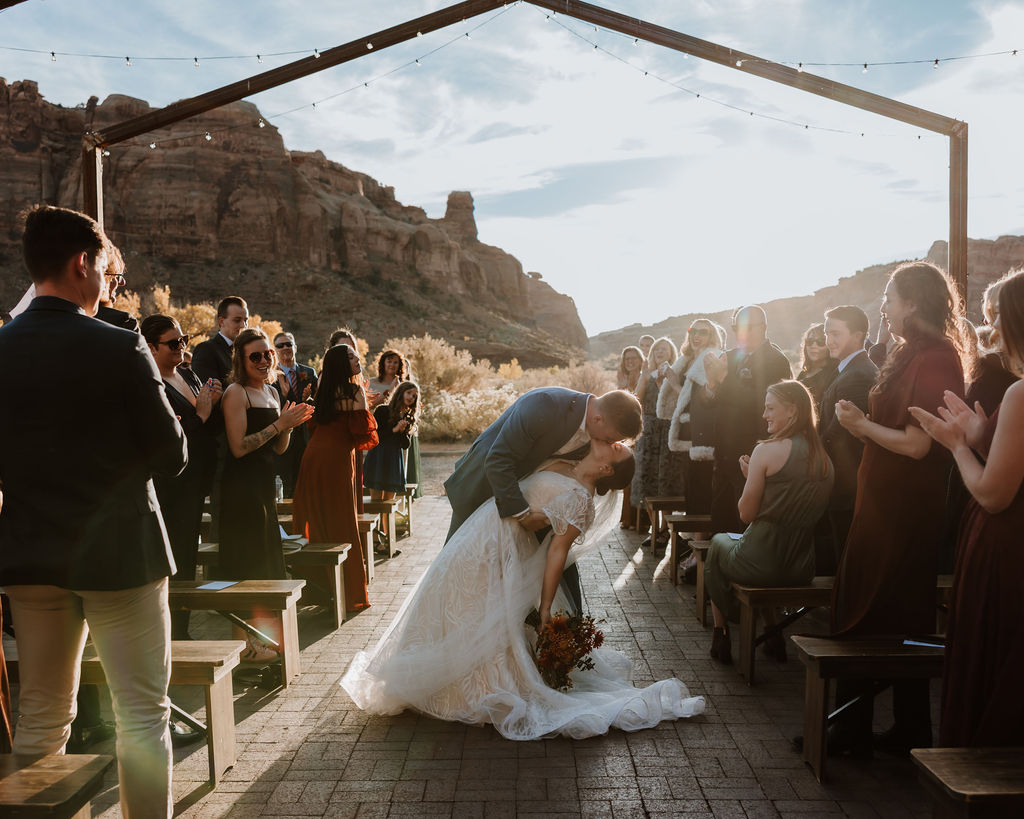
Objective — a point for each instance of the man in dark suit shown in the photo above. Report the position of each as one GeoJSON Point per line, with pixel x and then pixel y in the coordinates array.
{"type": "Point", "coordinates": [212, 358]}
{"type": "Point", "coordinates": [738, 381]}
{"type": "Point", "coordinates": [83, 549]}
{"type": "Point", "coordinates": [543, 423]}
{"type": "Point", "coordinates": [846, 328]}
{"type": "Point", "coordinates": [296, 383]}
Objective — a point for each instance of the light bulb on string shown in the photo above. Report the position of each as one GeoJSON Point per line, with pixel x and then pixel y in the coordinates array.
{"type": "Point", "coordinates": [106, 152]}
{"type": "Point", "coordinates": [636, 42]}
{"type": "Point", "coordinates": [418, 62]}
{"type": "Point", "coordinates": [739, 63]}
{"type": "Point", "coordinates": [152, 146]}
{"type": "Point", "coordinates": [419, 33]}
{"type": "Point", "coordinates": [53, 57]}
{"type": "Point", "coordinates": [259, 59]}
{"type": "Point", "coordinates": [207, 136]}
{"type": "Point", "coordinates": [864, 70]}
{"type": "Point", "coordinates": [369, 46]}
{"type": "Point", "coordinates": [261, 123]}
{"type": "Point", "coordinates": [316, 54]}
{"type": "Point", "coordinates": [800, 68]}
{"type": "Point", "coordinates": [936, 64]}
{"type": "Point", "coordinates": [128, 61]}
{"type": "Point", "coordinates": [467, 36]}
{"type": "Point", "coordinates": [195, 62]}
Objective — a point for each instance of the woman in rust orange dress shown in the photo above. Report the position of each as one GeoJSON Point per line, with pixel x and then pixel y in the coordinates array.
{"type": "Point", "coordinates": [885, 584]}
{"type": "Point", "coordinates": [326, 494]}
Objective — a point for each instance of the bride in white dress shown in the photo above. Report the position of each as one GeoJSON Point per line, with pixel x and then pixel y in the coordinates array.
{"type": "Point", "coordinates": [459, 649]}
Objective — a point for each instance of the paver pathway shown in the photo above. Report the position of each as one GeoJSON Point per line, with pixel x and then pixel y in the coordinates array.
{"type": "Point", "coordinates": [307, 751]}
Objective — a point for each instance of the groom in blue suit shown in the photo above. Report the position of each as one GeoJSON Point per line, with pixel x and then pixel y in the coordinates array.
{"type": "Point", "coordinates": [542, 424]}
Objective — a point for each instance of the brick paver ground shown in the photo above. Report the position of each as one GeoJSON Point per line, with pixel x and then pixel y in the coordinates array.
{"type": "Point", "coordinates": [307, 751]}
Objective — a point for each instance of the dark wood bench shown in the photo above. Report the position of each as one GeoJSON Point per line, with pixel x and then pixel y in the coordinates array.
{"type": "Point", "coordinates": [826, 659]}
{"type": "Point", "coordinates": [58, 786]}
{"type": "Point", "coordinates": [208, 663]}
{"type": "Point", "coordinates": [972, 782]}
{"type": "Point", "coordinates": [699, 548]}
{"type": "Point", "coordinates": [681, 523]}
{"type": "Point", "coordinates": [278, 598]}
{"type": "Point", "coordinates": [385, 509]}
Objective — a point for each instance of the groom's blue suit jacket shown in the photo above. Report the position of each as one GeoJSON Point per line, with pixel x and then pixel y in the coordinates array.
{"type": "Point", "coordinates": [533, 429]}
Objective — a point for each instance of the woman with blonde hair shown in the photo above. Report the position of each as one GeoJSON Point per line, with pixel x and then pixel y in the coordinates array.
{"type": "Point", "coordinates": [631, 365]}
{"type": "Point", "coordinates": [788, 481]}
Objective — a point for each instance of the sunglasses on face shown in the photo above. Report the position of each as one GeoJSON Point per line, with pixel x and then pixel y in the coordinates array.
{"type": "Point", "coordinates": [815, 342]}
{"type": "Point", "coordinates": [175, 343]}
{"type": "Point", "coordinates": [266, 355]}
{"type": "Point", "coordinates": [284, 344]}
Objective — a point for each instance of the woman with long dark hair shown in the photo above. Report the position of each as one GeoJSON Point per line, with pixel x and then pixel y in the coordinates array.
{"type": "Point", "coordinates": [327, 492]}
{"type": "Point", "coordinates": [788, 482]}
{"type": "Point", "coordinates": [384, 467]}
{"type": "Point", "coordinates": [817, 369]}
{"type": "Point", "coordinates": [181, 497]}
{"type": "Point", "coordinates": [886, 579]}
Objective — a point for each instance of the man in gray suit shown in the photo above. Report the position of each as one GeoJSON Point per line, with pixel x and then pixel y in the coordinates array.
{"type": "Point", "coordinates": [543, 423]}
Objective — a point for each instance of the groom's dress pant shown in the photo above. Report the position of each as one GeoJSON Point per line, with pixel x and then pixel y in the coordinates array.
{"type": "Point", "coordinates": [131, 631]}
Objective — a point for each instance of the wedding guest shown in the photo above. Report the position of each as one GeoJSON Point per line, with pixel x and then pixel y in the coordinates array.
{"type": "Point", "coordinates": [297, 383]}
{"type": "Point", "coordinates": [326, 495]}
{"type": "Point", "coordinates": [257, 427]}
{"type": "Point", "coordinates": [879, 351]}
{"type": "Point", "coordinates": [384, 467]}
{"type": "Point", "coordinates": [983, 673]}
{"type": "Point", "coordinates": [6, 710]}
{"type": "Point", "coordinates": [885, 583]}
{"type": "Point", "coordinates": [631, 365]}
{"type": "Point", "coordinates": [391, 371]}
{"type": "Point", "coordinates": [645, 342]}
{"type": "Point", "coordinates": [648, 446]}
{"type": "Point", "coordinates": [817, 367]}
{"type": "Point", "coordinates": [738, 382]}
{"type": "Point", "coordinates": [846, 328]}
{"type": "Point", "coordinates": [991, 374]}
{"type": "Point", "coordinates": [671, 465]}
{"type": "Point", "coordinates": [343, 336]}
{"type": "Point", "coordinates": [82, 544]}
{"type": "Point", "coordinates": [788, 478]}
{"type": "Point", "coordinates": [182, 496]}
{"type": "Point", "coordinates": [212, 358]}
{"type": "Point", "coordinates": [113, 278]}
{"type": "Point", "coordinates": [413, 471]}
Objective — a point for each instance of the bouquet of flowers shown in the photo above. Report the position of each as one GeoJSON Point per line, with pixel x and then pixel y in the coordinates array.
{"type": "Point", "coordinates": [564, 645]}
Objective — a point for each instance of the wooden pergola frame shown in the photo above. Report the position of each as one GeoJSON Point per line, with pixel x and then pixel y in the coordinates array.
{"type": "Point", "coordinates": [95, 142]}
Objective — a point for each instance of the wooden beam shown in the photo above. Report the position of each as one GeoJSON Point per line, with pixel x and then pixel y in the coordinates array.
{"type": "Point", "coordinates": [92, 182]}
{"type": "Point", "coordinates": [958, 209]}
{"type": "Point", "coordinates": [751, 64]}
{"type": "Point", "coordinates": [184, 109]}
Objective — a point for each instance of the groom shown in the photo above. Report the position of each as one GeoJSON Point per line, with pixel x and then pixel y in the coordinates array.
{"type": "Point", "coordinates": [542, 424]}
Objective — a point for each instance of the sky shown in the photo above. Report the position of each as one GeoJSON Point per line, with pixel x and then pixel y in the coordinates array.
{"type": "Point", "coordinates": [639, 200]}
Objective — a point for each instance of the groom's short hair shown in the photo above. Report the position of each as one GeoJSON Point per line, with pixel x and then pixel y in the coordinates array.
{"type": "Point", "coordinates": [621, 409]}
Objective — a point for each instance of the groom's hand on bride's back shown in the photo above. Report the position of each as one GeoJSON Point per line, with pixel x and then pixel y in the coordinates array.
{"type": "Point", "coordinates": [533, 521]}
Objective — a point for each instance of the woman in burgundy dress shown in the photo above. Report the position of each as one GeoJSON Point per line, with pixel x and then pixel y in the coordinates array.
{"type": "Point", "coordinates": [326, 494]}
{"type": "Point", "coordinates": [885, 584]}
{"type": "Point", "coordinates": [983, 676]}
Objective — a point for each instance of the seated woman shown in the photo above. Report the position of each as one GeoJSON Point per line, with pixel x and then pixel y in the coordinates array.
{"type": "Point", "coordinates": [788, 482]}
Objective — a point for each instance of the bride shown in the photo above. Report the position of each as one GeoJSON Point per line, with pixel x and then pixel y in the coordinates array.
{"type": "Point", "coordinates": [459, 649]}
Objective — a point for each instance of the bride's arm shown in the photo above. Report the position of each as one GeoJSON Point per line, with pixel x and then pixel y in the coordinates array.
{"type": "Point", "coordinates": [558, 550]}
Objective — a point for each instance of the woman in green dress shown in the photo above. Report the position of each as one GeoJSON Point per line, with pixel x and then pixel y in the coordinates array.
{"type": "Point", "coordinates": [788, 482]}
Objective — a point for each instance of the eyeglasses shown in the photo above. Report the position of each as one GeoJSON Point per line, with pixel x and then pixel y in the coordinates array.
{"type": "Point", "coordinates": [816, 342]}
{"type": "Point", "coordinates": [175, 343]}
{"type": "Point", "coordinates": [116, 279]}
{"type": "Point", "coordinates": [257, 357]}
{"type": "Point", "coordinates": [284, 344]}
{"type": "Point", "coordinates": [698, 331]}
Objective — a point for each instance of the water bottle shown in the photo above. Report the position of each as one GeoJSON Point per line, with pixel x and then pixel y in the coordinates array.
{"type": "Point", "coordinates": [278, 488]}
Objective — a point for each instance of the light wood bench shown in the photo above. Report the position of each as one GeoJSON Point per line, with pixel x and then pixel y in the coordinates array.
{"type": "Point", "coordinates": [658, 504]}
{"type": "Point", "coordinates": [58, 786]}
{"type": "Point", "coordinates": [826, 659]}
{"type": "Point", "coordinates": [385, 509]}
{"type": "Point", "coordinates": [278, 598]}
{"type": "Point", "coordinates": [972, 782]}
{"type": "Point", "coordinates": [367, 526]}
{"type": "Point", "coordinates": [680, 523]}
{"type": "Point", "coordinates": [408, 497]}
{"type": "Point", "coordinates": [700, 553]}
{"type": "Point", "coordinates": [208, 663]}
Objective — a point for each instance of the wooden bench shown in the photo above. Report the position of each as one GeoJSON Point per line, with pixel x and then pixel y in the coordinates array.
{"type": "Point", "coordinates": [408, 497]}
{"type": "Point", "coordinates": [367, 526]}
{"type": "Point", "coordinates": [385, 509]}
{"type": "Point", "coordinates": [208, 663]}
{"type": "Point", "coordinates": [700, 554]}
{"type": "Point", "coordinates": [803, 598]}
{"type": "Point", "coordinates": [680, 523]}
{"type": "Point", "coordinates": [972, 782]}
{"type": "Point", "coordinates": [276, 597]}
{"type": "Point", "coordinates": [58, 786]}
{"type": "Point", "coordinates": [826, 659]}
{"type": "Point", "coordinates": [658, 504]}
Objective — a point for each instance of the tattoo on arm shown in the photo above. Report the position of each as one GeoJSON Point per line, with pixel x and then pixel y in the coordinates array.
{"type": "Point", "coordinates": [250, 443]}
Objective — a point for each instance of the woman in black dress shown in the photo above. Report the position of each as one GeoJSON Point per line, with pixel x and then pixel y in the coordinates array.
{"type": "Point", "coordinates": [181, 497]}
{"type": "Point", "coordinates": [817, 368]}
{"type": "Point", "coordinates": [384, 467]}
{"type": "Point", "coordinates": [257, 429]}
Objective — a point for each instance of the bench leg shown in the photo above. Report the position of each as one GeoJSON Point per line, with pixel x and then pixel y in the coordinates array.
{"type": "Point", "coordinates": [367, 543]}
{"type": "Point", "coordinates": [673, 554]}
{"type": "Point", "coordinates": [408, 513]}
{"type": "Point", "coordinates": [815, 721]}
{"type": "Point", "coordinates": [748, 624]}
{"type": "Point", "coordinates": [220, 727]}
{"type": "Point", "coordinates": [702, 595]}
{"type": "Point", "coordinates": [391, 534]}
{"type": "Point", "coordinates": [338, 595]}
{"type": "Point", "coordinates": [290, 662]}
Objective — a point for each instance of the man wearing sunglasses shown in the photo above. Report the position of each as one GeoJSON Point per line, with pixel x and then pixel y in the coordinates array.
{"type": "Point", "coordinates": [83, 548]}
{"type": "Point", "coordinates": [296, 383]}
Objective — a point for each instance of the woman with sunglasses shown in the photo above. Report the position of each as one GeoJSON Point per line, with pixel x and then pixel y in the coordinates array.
{"type": "Point", "coordinates": [257, 428]}
{"type": "Point", "coordinates": [181, 497]}
{"type": "Point", "coordinates": [817, 369]}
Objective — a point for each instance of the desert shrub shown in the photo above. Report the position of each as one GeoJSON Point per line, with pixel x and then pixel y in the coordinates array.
{"type": "Point", "coordinates": [587, 377]}
{"type": "Point", "coordinates": [462, 416]}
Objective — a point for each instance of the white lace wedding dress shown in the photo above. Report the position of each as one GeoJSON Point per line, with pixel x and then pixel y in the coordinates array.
{"type": "Point", "coordinates": [459, 649]}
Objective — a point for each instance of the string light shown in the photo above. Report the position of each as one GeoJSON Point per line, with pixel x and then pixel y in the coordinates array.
{"type": "Point", "coordinates": [195, 62]}
{"type": "Point", "coordinates": [800, 68]}
{"type": "Point", "coordinates": [207, 136]}
{"type": "Point", "coordinates": [259, 59]}
{"type": "Point", "coordinates": [936, 64]}
{"type": "Point", "coordinates": [369, 46]}
{"type": "Point", "coordinates": [128, 61]}
{"type": "Point", "coordinates": [316, 54]}
{"type": "Point", "coordinates": [865, 69]}
{"type": "Point", "coordinates": [418, 62]}
{"type": "Point", "coordinates": [261, 123]}
{"type": "Point", "coordinates": [53, 57]}
{"type": "Point", "coordinates": [152, 146]}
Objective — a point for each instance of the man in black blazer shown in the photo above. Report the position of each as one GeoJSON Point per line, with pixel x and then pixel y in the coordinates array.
{"type": "Point", "coordinates": [83, 547]}
{"type": "Point", "coordinates": [846, 328]}
{"type": "Point", "coordinates": [296, 383]}
{"type": "Point", "coordinates": [543, 423]}
{"type": "Point", "coordinates": [212, 358]}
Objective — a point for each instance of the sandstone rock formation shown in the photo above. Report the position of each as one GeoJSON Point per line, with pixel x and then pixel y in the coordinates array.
{"type": "Point", "coordinates": [306, 240]}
